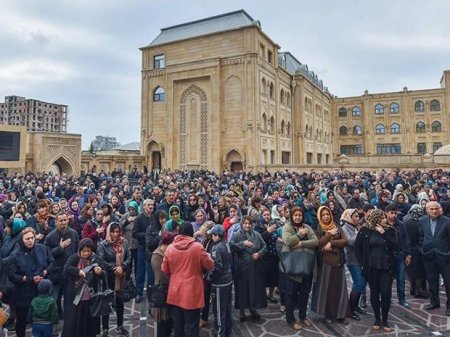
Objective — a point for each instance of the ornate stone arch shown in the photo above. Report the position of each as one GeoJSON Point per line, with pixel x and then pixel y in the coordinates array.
{"type": "Point", "coordinates": [155, 152]}
{"type": "Point", "coordinates": [194, 93]}
{"type": "Point", "coordinates": [234, 157]}
{"type": "Point", "coordinates": [61, 163]}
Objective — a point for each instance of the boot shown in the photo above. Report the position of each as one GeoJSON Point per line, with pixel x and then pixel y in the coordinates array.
{"type": "Point", "coordinates": [363, 299]}
{"type": "Point", "coordinates": [353, 301]}
{"type": "Point", "coordinates": [413, 290]}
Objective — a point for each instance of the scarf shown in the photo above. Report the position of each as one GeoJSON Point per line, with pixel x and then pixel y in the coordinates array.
{"type": "Point", "coordinates": [118, 248]}
{"type": "Point", "coordinates": [347, 216]}
{"type": "Point", "coordinates": [325, 226]}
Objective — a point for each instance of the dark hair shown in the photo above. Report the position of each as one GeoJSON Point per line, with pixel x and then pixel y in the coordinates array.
{"type": "Point", "coordinates": [367, 207]}
{"type": "Point", "coordinates": [297, 209]}
{"type": "Point", "coordinates": [167, 238]}
{"type": "Point", "coordinates": [113, 226]}
{"type": "Point", "coordinates": [391, 208]}
{"type": "Point", "coordinates": [186, 229]}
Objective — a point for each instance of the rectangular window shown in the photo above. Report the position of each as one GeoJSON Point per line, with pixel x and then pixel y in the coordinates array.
{"type": "Point", "coordinates": [309, 157]}
{"type": "Point", "coordinates": [352, 149]}
{"type": "Point", "coordinates": [272, 156]}
{"type": "Point", "coordinates": [319, 158]}
{"type": "Point", "coordinates": [327, 159]}
{"type": "Point", "coordinates": [395, 148]}
{"type": "Point", "coordinates": [159, 61]}
{"type": "Point", "coordinates": [436, 146]}
{"type": "Point", "coordinates": [262, 50]}
{"type": "Point", "coordinates": [264, 157]}
{"type": "Point", "coordinates": [421, 148]}
{"type": "Point", "coordinates": [285, 157]}
{"type": "Point", "coordinates": [269, 56]}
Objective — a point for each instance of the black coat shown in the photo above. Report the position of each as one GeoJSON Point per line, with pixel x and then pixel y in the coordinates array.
{"type": "Point", "coordinates": [108, 256]}
{"type": "Point", "coordinates": [439, 244]}
{"type": "Point", "coordinates": [141, 223]}
{"type": "Point", "coordinates": [52, 240]}
{"type": "Point", "coordinates": [28, 263]}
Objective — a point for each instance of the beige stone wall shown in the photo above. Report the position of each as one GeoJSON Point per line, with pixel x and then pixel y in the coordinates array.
{"type": "Point", "coordinates": [110, 162]}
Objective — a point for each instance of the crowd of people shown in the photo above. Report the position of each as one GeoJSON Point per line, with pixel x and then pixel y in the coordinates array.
{"type": "Point", "coordinates": [197, 235]}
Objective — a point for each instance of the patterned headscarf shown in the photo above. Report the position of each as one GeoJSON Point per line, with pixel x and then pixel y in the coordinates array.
{"type": "Point", "coordinates": [374, 218]}
{"type": "Point", "coordinates": [415, 213]}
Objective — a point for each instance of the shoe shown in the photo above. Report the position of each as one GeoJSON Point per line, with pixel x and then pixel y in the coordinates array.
{"type": "Point", "coordinates": [295, 326]}
{"type": "Point", "coordinates": [343, 320]}
{"type": "Point", "coordinates": [202, 324]}
{"type": "Point", "coordinates": [242, 318]}
{"type": "Point", "coordinates": [282, 309]}
{"type": "Point", "coordinates": [105, 333]}
{"type": "Point", "coordinates": [405, 305]}
{"type": "Point", "coordinates": [271, 300]}
{"type": "Point", "coordinates": [376, 326]}
{"type": "Point", "coordinates": [138, 299]}
{"type": "Point", "coordinates": [355, 316]}
{"type": "Point", "coordinates": [432, 306]}
{"type": "Point", "coordinates": [447, 312]}
{"type": "Point", "coordinates": [306, 322]}
{"type": "Point", "coordinates": [363, 301]}
{"type": "Point", "coordinates": [360, 311]}
{"type": "Point", "coordinates": [122, 331]}
{"type": "Point", "coordinates": [328, 320]}
{"type": "Point", "coordinates": [387, 329]}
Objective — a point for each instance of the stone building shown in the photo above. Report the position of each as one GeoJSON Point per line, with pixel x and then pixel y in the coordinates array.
{"type": "Point", "coordinates": [35, 115]}
{"type": "Point", "coordinates": [217, 94]}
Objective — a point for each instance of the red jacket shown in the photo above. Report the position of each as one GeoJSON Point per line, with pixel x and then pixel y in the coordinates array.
{"type": "Point", "coordinates": [185, 261]}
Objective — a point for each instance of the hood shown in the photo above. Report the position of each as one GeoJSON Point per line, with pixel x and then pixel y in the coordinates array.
{"type": "Point", "coordinates": [183, 242]}
{"type": "Point", "coordinates": [135, 205]}
{"type": "Point", "coordinates": [17, 226]}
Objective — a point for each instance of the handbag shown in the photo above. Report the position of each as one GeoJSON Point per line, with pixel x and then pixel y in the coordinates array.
{"type": "Point", "coordinates": [101, 301]}
{"type": "Point", "coordinates": [129, 290]}
{"type": "Point", "coordinates": [158, 296]}
{"type": "Point", "coordinates": [298, 263]}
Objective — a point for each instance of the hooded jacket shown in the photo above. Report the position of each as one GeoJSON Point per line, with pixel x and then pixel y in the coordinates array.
{"type": "Point", "coordinates": [185, 261]}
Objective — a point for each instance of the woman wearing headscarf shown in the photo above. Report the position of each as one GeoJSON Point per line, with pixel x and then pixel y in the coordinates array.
{"type": "Point", "coordinates": [232, 222]}
{"type": "Point", "coordinates": [268, 228]}
{"type": "Point", "coordinates": [374, 247]}
{"type": "Point", "coordinates": [415, 270]}
{"type": "Point", "coordinates": [350, 225]}
{"type": "Point", "coordinates": [84, 270]}
{"type": "Point", "coordinates": [162, 315]}
{"type": "Point", "coordinates": [41, 221]}
{"type": "Point", "coordinates": [28, 266]}
{"type": "Point", "coordinates": [330, 297]}
{"type": "Point", "coordinates": [116, 256]}
{"type": "Point", "coordinates": [200, 219]}
{"type": "Point", "coordinates": [73, 212]}
{"type": "Point", "coordinates": [249, 248]}
{"type": "Point", "coordinates": [298, 236]}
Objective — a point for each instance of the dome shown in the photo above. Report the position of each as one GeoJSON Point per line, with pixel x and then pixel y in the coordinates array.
{"type": "Point", "coordinates": [444, 150]}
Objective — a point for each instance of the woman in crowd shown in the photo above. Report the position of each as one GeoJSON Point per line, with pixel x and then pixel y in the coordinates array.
{"type": "Point", "coordinates": [41, 222]}
{"type": "Point", "coordinates": [83, 270]}
{"type": "Point", "coordinates": [95, 229]}
{"type": "Point", "coordinates": [162, 315]}
{"type": "Point", "coordinates": [200, 219]}
{"type": "Point", "coordinates": [298, 236]}
{"type": "Point", "coordinates": [87, 214]}
{"type": "Point", "coordinates": [116, 256]}
{"type": "Point", "coordinates": [127, 224]}
{"type": "Point", "coordinates": [232, 222]}
{"type": "Point", "coordinates": [28, 266]}
{"type": "Point", "coordinates": [330, 297]}
{"type": "Point", "coordinates": [118, 209]}
{"type": "Point", "coordinates": [374, 248]}
{"type": "Point", "coordinates": [249, 248]}
{"type": "Point", "coordinates": [191, 208]}
{"type": "Point", "coordinates": [415, 270]}
{"type": "Point", "coordinates": [350, 225]}
{"type": "Point", "coordinates": [268, 228]}
{"type": "Point", "coordinates": [73, 212]}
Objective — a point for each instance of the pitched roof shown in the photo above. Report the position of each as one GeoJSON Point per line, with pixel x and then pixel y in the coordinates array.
{"type": "Point", "coordinates": [135, 146]}
{"type": "Point", "coordinates": [210, 25]}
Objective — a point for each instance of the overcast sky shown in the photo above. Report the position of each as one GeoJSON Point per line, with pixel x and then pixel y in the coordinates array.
{"type": "Point", "coordinates": [84, 53]}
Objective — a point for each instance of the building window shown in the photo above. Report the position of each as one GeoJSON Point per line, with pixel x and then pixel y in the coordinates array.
{"type": "Point", "coordinates": [419, 106]}
{"type": "Point", "coordinates": [357, 130]}
{"type": "Point", "coordinates": [379, 109]}
{"type": "Point", "coordinates": [379, 129]}
{"type": "Point", "coordinates": [159, 61]}
{"type": "Point", "coordinates": [327, 159]}
{"type": "Point", "coordinates": [283, 128]}
{"type": "Point", "coordinates": [159, 95]}
{"type": "Point", "coordinates": [271, 89]}
{"type": "Point", "coordinates": [282, 96]}
{"type": "Point", "coordinates": [421, 148]}
{"type": "Point", "coordinates": [272, 156]}
{"type": "Point", "coordinates": [342, 112]}
{"type": "Point", "coordinates": [356, 111]}
{"type": "Point", "coordinates": [436, 126]}
{"type": "Point", "coordinates": [288, 99]}
{"type": "Point", "coordinates": [262, 50]}
{"type": "Point", "coordinates": [394, 108]}
{"type": "Point", "coordinates": [309, 157]}
{"type": "Point", "coordinates": [389, 148]}
{"type": "Point", "coordinates": [435, 105]}
{"type": "Point", "coordinates": [436, 146]}
{"type": "Point", "coordinates": [285, 157]}
{"type": "Point", "coordinates": [269, 56]}
{"type": "Point", "coordinates": [420, 127]}
{"type": "Point", "coordinates": [352, 149]}
{"type": "Point", "coordinates": [395, 128]}
{"type": "Point", "coordinates": [264, 123]}
{"type": "Point", "coordinates": [288, 129]}
{"type": "Point", "coordinates": [343, 131]}
{"type": "Point", "coordinates": [319, 158]}
{"type": "Point", "coordinates": [271, 124]}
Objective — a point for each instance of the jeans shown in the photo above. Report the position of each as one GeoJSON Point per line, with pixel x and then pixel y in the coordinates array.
{"type": "Point", "coordinates": [359, 282]}
{"type": "Point", "coordinates": [400, 272]}
{"type": "Point", "coordinates": [143, 269]}
{"type": "Point", "coordinates": [42, 330]}
{"type": "Point", "coordinates": [296, 295]}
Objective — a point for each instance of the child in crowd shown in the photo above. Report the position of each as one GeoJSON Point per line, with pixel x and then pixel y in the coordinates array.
{"type": "Point", "coordinates": [43, 311]}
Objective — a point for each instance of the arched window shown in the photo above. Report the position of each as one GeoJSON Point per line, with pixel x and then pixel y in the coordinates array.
{"type": "Point", "coordinates": [357, 130]}
{"type": "Point", "coordinates": [288, 129]}
{"type": "Point", "coordinates": [282, 96]}
{"type": "Point", "coordinates": [306, 131]}
{"type": "Point", "coordinates": [394, 108]}
{"type": "Point", "coordinates": [435, 105]}
{"type": "Point", "coordinates": [379, 129]}
{"type": "Point", "coordinates": [264, 122]}
{"type": "Point", "coordinates": [343, 131]}
{"type": "Point", "coordinates": [420, 127]}
{"type": "Point", "coordinates": [342, 112]}
{"type": "Point", "coordinates": [159, 94]}
{"type": "Point", "coordinates": [356, 111]}
{"type": "Point", "coordinates": [272, 124]}
{"type": "Point", "coordinates": [421, 148]}
{"type": "Point", "coordinates": [283, 127]}
{"type": "Point", "coordinates": [395, 128]}
{"type": "Point", "coordinates": [419, 106]}
{"type": "Point", "coordinates": [288, 99]}
{"type": "Point", "coordinates": [271, 89]}
{"type": "Point", "coordinates": [436, 126]}
{"type": "Point", "coordinates": [379, 109]}
{"type": "Point", "coordinates": [263, 86]}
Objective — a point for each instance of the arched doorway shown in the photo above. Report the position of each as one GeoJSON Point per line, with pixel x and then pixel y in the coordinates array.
{"type": "Point", "coordinates": [154, 154]}
{"type": "Point", "coordinates": [234, 161]}
{"type": "Point", "coordinates": [61, 165]}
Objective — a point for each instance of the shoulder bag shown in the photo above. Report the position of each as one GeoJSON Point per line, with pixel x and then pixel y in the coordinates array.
{"type": "Point", "coordinates": [101, 300]}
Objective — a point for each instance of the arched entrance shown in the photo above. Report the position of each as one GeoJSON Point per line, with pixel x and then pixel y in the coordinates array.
{"type": "Point", "coordinates": [234, 161]}
{"type": "Point", "coordinates": [61, 165]}
{"type": "Point", "coordinates": [154, 154]}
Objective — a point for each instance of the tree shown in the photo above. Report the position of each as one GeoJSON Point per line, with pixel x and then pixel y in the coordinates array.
{"type": "Point", "coordinates": [91, 147]}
